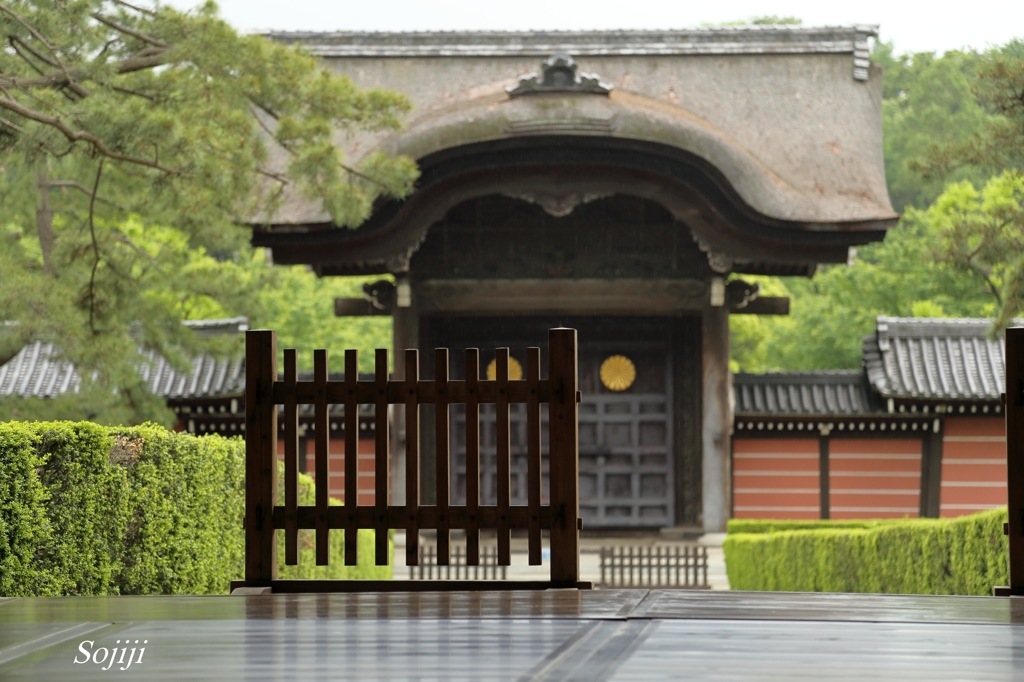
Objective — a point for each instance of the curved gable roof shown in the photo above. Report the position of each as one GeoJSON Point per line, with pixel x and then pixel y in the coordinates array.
{"type": "Point", "coordinates": [789, 118]}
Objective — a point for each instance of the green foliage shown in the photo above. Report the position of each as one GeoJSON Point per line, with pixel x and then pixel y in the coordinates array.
{"type": "Point", "coordinates": [762, 20]}
{"type": "Point", "coordinates": [72, 510]}
{"type": "Point", "coordinates": [967, 555]}
{"type": "Point", "coordinates": [298, 306]}
{"type": "Point", "coordinates": [927, 103]}
{"type": "Point", "coordinates": [778, 525]}
{"type": "Point", "coordinates": [829, 314]}
{"type": "Point", "coordinates": [775, 20]}
{"type": "Point", "coordinates": [90, 510]}
{"type": "Point", "coordinates": [152, 278]}
{"type": "Point", "coordinates": [982, 233]}
{"type": "Point", "coordinates": [133, 143]}
{"type": "Point", "coordinates": [187, 507]}
{"type": "Point", "coordinates": [998, 145]}
{"type": "Point", "coordinates": [22, 501]}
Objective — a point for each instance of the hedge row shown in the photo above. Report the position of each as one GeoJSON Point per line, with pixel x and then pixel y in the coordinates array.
{"type": "Point", "coordinates": [776, 525]}
{"type": "Point", "coordinates": [92, 510]}
{"type": "Point", "coordinates": [967, 555]}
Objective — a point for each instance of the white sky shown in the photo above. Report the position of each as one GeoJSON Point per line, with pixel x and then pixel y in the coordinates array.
{"type": "Point", "coordinates": [920, 25]}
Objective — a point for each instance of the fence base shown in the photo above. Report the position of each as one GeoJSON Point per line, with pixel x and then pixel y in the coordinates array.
{"type": "Point", "coordinates": [298, 586]}
{"type": "Point", "coordinates": [1003, 591]}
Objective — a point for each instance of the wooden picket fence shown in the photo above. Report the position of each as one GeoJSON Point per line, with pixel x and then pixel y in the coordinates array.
{"type": "Point", "coordinates": [675, 567]}
{"type": "Point", "coordinates": [458, 568]}
{"type": "Point", "coordinates": [264, 516]}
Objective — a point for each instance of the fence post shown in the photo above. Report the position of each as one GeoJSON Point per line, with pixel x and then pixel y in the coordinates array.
{"type": "Point", "coordinates": [564, 441]}
{"type": "Point", "coordinates": [1014, 400]}
{"type": "Point", "coordinates": [260, 457]}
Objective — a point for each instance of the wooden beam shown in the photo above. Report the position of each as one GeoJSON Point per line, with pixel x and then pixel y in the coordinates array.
{"type": "Point", "coordinates": [931, 469]}
{"type": "Point", "coordinates": [716, 420]}
{"type": "Point", "coordinates": [823, 475]}
{"type": "Point", "coordinates": [356, 307]}
{"type": "Point", "coordinates": [764, 305]}
{"type": "Point", "coordinates": [563, 296]}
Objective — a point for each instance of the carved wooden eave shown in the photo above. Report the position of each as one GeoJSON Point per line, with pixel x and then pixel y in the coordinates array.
{"type": "Point", "coordinates": [690, 188]}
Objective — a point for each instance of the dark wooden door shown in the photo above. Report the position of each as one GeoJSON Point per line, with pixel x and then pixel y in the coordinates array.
{"type": "Point", "coordinates": [626, 439]}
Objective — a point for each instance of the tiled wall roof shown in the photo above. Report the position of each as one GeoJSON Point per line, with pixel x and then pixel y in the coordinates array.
{"type": "Point", "coordinates": [802, 393]}
{"type": "Point", "coordinates": [37, 371]}
{"type": "Point", "coordinates": [934, 359]}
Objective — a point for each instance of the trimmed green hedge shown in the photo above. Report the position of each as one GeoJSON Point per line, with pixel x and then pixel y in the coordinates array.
{"type": "Point", "coordinates": [966, 555]}
{"type": "Point", "coordinates": [776, 525]}
{"type": "Point", "coordinates": [92, 510]}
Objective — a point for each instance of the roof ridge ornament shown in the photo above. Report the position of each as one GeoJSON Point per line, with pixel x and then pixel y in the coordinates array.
{"type": "Point", "coordinates": [559, 73]}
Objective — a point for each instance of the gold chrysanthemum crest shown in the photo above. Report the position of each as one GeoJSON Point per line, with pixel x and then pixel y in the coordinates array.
{"type": "Point", "coordinates": [618, 373]}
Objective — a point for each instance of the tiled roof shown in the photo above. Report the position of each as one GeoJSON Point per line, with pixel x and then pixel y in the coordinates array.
{"type": "Point", "coordinates": [802, 393]}
{"type": "Point", "coordinates": [934, 359]}
{"type": "Point", "coordinates": [37, 372]}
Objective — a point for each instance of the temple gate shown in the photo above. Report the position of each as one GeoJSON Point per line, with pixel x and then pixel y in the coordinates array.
{"type": "Point", "coordinates": [620, 183]}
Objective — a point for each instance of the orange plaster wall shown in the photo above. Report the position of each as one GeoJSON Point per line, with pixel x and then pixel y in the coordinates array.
{"type": "Point", "coordinates": [874, 478]}
{"type": "Point", "coordinates": [973, 465]}
{"type": "Point", "coordinates": [776, 478]}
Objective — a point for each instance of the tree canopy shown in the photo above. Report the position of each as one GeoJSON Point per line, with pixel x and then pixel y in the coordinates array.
{"type": "Point", "coordinates": [134, 144]}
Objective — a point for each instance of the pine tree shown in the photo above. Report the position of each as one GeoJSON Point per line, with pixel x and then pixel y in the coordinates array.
{"type": "Point", "coordinates": [136, 145]}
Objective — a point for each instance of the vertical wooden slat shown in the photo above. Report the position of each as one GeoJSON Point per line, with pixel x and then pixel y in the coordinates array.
{"type": "Point", "coordinates": [703, 564]}
{"type": "Point", "coordinates": [533, 453]}
{"type": "Point", "coordinates": [321, 429]}
{"type": "Point", "coordinates": [564, 456]}
{"type": "Point", "coordinates": [260, 457]}
{"type": "Point", "coordinates": [472, 457]}
{"type": "Point", "coordinates": [291, 459]}
{"type": "Point", "coordinates": [381, 463]}
{"type": "Point", "coordinates": [677, 566]}
{"type": "Point", "coordinates": [412, 457]}
{"type": "Point", "coordinates": [503, 456]}
{"type": "Point", "coordinates": [351, 457]}
{"type": "Point", "coordinates": [1015, 455]}
{"type": "Point", "coordinates": [443, 455]}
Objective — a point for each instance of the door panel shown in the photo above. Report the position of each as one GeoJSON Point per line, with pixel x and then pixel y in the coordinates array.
{"type": "Point", "coordinates": [625, 438]}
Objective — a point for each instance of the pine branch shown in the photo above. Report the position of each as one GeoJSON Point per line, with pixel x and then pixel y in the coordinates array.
{"type": "Point", "coordinates": [95, 248]}
{"type": "Point", "coordinates": [78, 135]}
{"type": "Point", "coordinates": [140, 10]}
{"type": "Point", "coordinates": [12, 125]}
{"type": "Point", "coordinates": [74, 184]}
{"type": "Point", "coordinates": [36, 53]}
{"type": "Point", "coordinates": [128, 30]}
{"type": "Point", "coordinates": [16, 46]}
{"type": "Point", "coordinates": [148, 58]}
{"type": "Point", "coordinates": [39, 36]}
